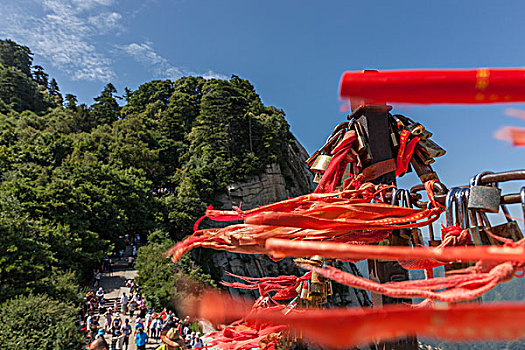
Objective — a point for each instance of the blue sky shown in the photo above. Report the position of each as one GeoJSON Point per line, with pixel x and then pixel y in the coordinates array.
{"type": "Point", "coordinates": [294, 52]}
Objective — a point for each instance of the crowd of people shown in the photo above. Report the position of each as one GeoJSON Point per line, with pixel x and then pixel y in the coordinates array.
{"type": "Point", "coordinates": [113, 333]}
{"type": "Point", "coordinates": [114, 327]}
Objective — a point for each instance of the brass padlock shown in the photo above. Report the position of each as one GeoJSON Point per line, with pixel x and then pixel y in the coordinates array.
{"type": "Point", "coordinates": [321, 163]}
{"type": "Point", "coordinates": [312, 158]}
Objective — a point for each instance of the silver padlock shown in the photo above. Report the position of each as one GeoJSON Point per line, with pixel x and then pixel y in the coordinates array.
{"type": "Point", "coordinates": [469, 220]}
{"type": "Point", "coordinates": [452, 216]}
{"type": "Point", "coordinates": [483, 198]}
{"type": "Point", "coordinates": [462, 196]}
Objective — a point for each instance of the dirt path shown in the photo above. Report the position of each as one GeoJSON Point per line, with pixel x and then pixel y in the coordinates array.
{"type": "Point", "coordinates": [114, 285]}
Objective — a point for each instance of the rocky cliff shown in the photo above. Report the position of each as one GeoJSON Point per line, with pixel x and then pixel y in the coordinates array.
{"type": "Point", "coordinates": [278, 182]}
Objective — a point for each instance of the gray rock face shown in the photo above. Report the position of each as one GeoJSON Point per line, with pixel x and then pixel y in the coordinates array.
{"type": "Point", "coordinates": [277, 183]}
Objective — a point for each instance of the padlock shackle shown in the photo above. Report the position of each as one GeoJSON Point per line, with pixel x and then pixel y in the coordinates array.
{"type": "Point", "coordinates": [407, 202]}
{"type": "Point", "coordinates": [462, 207]}
{"type": "Point", "coordinates": [504, 176]}
{"type": "Point", "coordinates": [430, 226]}
{"type": "Point", "coordinates": [395, 194]}
{"type": "Point", "coordinates": [475, 181]}
{"type": "Point", "coordinates": [449, 203]}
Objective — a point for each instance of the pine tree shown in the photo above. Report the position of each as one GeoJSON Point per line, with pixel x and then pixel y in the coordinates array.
{"type": "Point", "coordinates": [17, 56]}
{"type": "Point", "coordinates": [41, 77]}
{"type": "Point", "coordinates": [106, 109]}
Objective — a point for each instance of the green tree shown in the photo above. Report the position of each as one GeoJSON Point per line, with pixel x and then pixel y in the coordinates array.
{"type": "Point", "coordinates": [163, 282]}
{"type": "Point", "coordinates": [40, 76]}
{"type": "Point", "coordinates": [106, 109]}
{"type": "Point", "coordinates": [39, 322]}
{"type": "Point", "coordinates": [19, 91]}
{"type": "Point", "coordinates": [54, 91]}
{"type": "Point", "coordinates": [71, 101]}
{"type": "Point", "coordinates": [26, 257]}
{"type": "Point", "coordinates": [16, 56]}
{"type": "Point", "coordinates": [147, 93]}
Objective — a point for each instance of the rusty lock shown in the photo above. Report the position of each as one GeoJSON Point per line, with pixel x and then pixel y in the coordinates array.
{"type": "Point", "coordinates": [484, 198]}
{"type": "Point", "coordinates": [510, 229]}
{"type": "Point", "coordinates": [431, 149]}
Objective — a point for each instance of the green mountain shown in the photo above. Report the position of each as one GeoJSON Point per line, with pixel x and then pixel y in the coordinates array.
{"type": "Point", "coordinates": [75, 179]}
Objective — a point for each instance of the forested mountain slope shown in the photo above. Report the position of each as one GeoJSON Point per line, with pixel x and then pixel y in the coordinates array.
{"type": "Point", "coordinates": [75, 179]}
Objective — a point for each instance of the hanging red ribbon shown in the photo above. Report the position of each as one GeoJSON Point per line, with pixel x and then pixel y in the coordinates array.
{"type": "Point", "coordinates": [341, 157]}
{"type": "Point", "coordinates": [284, 286]}
{"type": "Point", "coordinates": [405, 152]}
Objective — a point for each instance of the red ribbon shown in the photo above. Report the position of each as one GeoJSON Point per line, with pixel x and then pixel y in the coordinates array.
{"type": "Point", "coordinates": [405, 152]}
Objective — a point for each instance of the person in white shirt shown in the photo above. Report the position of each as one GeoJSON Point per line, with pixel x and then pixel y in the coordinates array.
{"type": "Point", "coordinates": [88, 321]}
{"type": "Point", "coordinates": [147, 320]}
{"type": "Point", "coordinates": [124, 303]}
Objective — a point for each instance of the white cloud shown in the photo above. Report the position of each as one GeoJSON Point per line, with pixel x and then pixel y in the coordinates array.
{"type": "Point", "coordinates": [64, 35]}
{"type": "Point", "coordinates": [106, 21]}
{"type": "Point", "coordinates": [145, 54]}
{"type": "Point", "coordinates": [213, 75]}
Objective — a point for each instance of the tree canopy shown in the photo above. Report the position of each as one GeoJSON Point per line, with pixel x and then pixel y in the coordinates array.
{"type": "Point", "coordinates": [75, 179]}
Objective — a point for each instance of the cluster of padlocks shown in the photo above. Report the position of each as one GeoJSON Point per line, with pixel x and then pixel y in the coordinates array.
{"type": "Point", "coordinates": [465, 206]}
{"type": "Point", "coordinates": [424, 153]}
{"type": "Point", "coordinates": [315, 291]}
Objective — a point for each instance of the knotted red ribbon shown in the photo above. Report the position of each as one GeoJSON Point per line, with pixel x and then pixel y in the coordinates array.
{"type": "Point", "coordinates": [342, 155]}
{"type": "Point", "coordinates": [405, 151]}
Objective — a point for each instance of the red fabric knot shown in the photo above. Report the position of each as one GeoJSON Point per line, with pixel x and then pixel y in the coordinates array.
{"type": "Point", "coordinates": [342, 155]}
{"type": "Point", "coordinates": [406, 149]}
